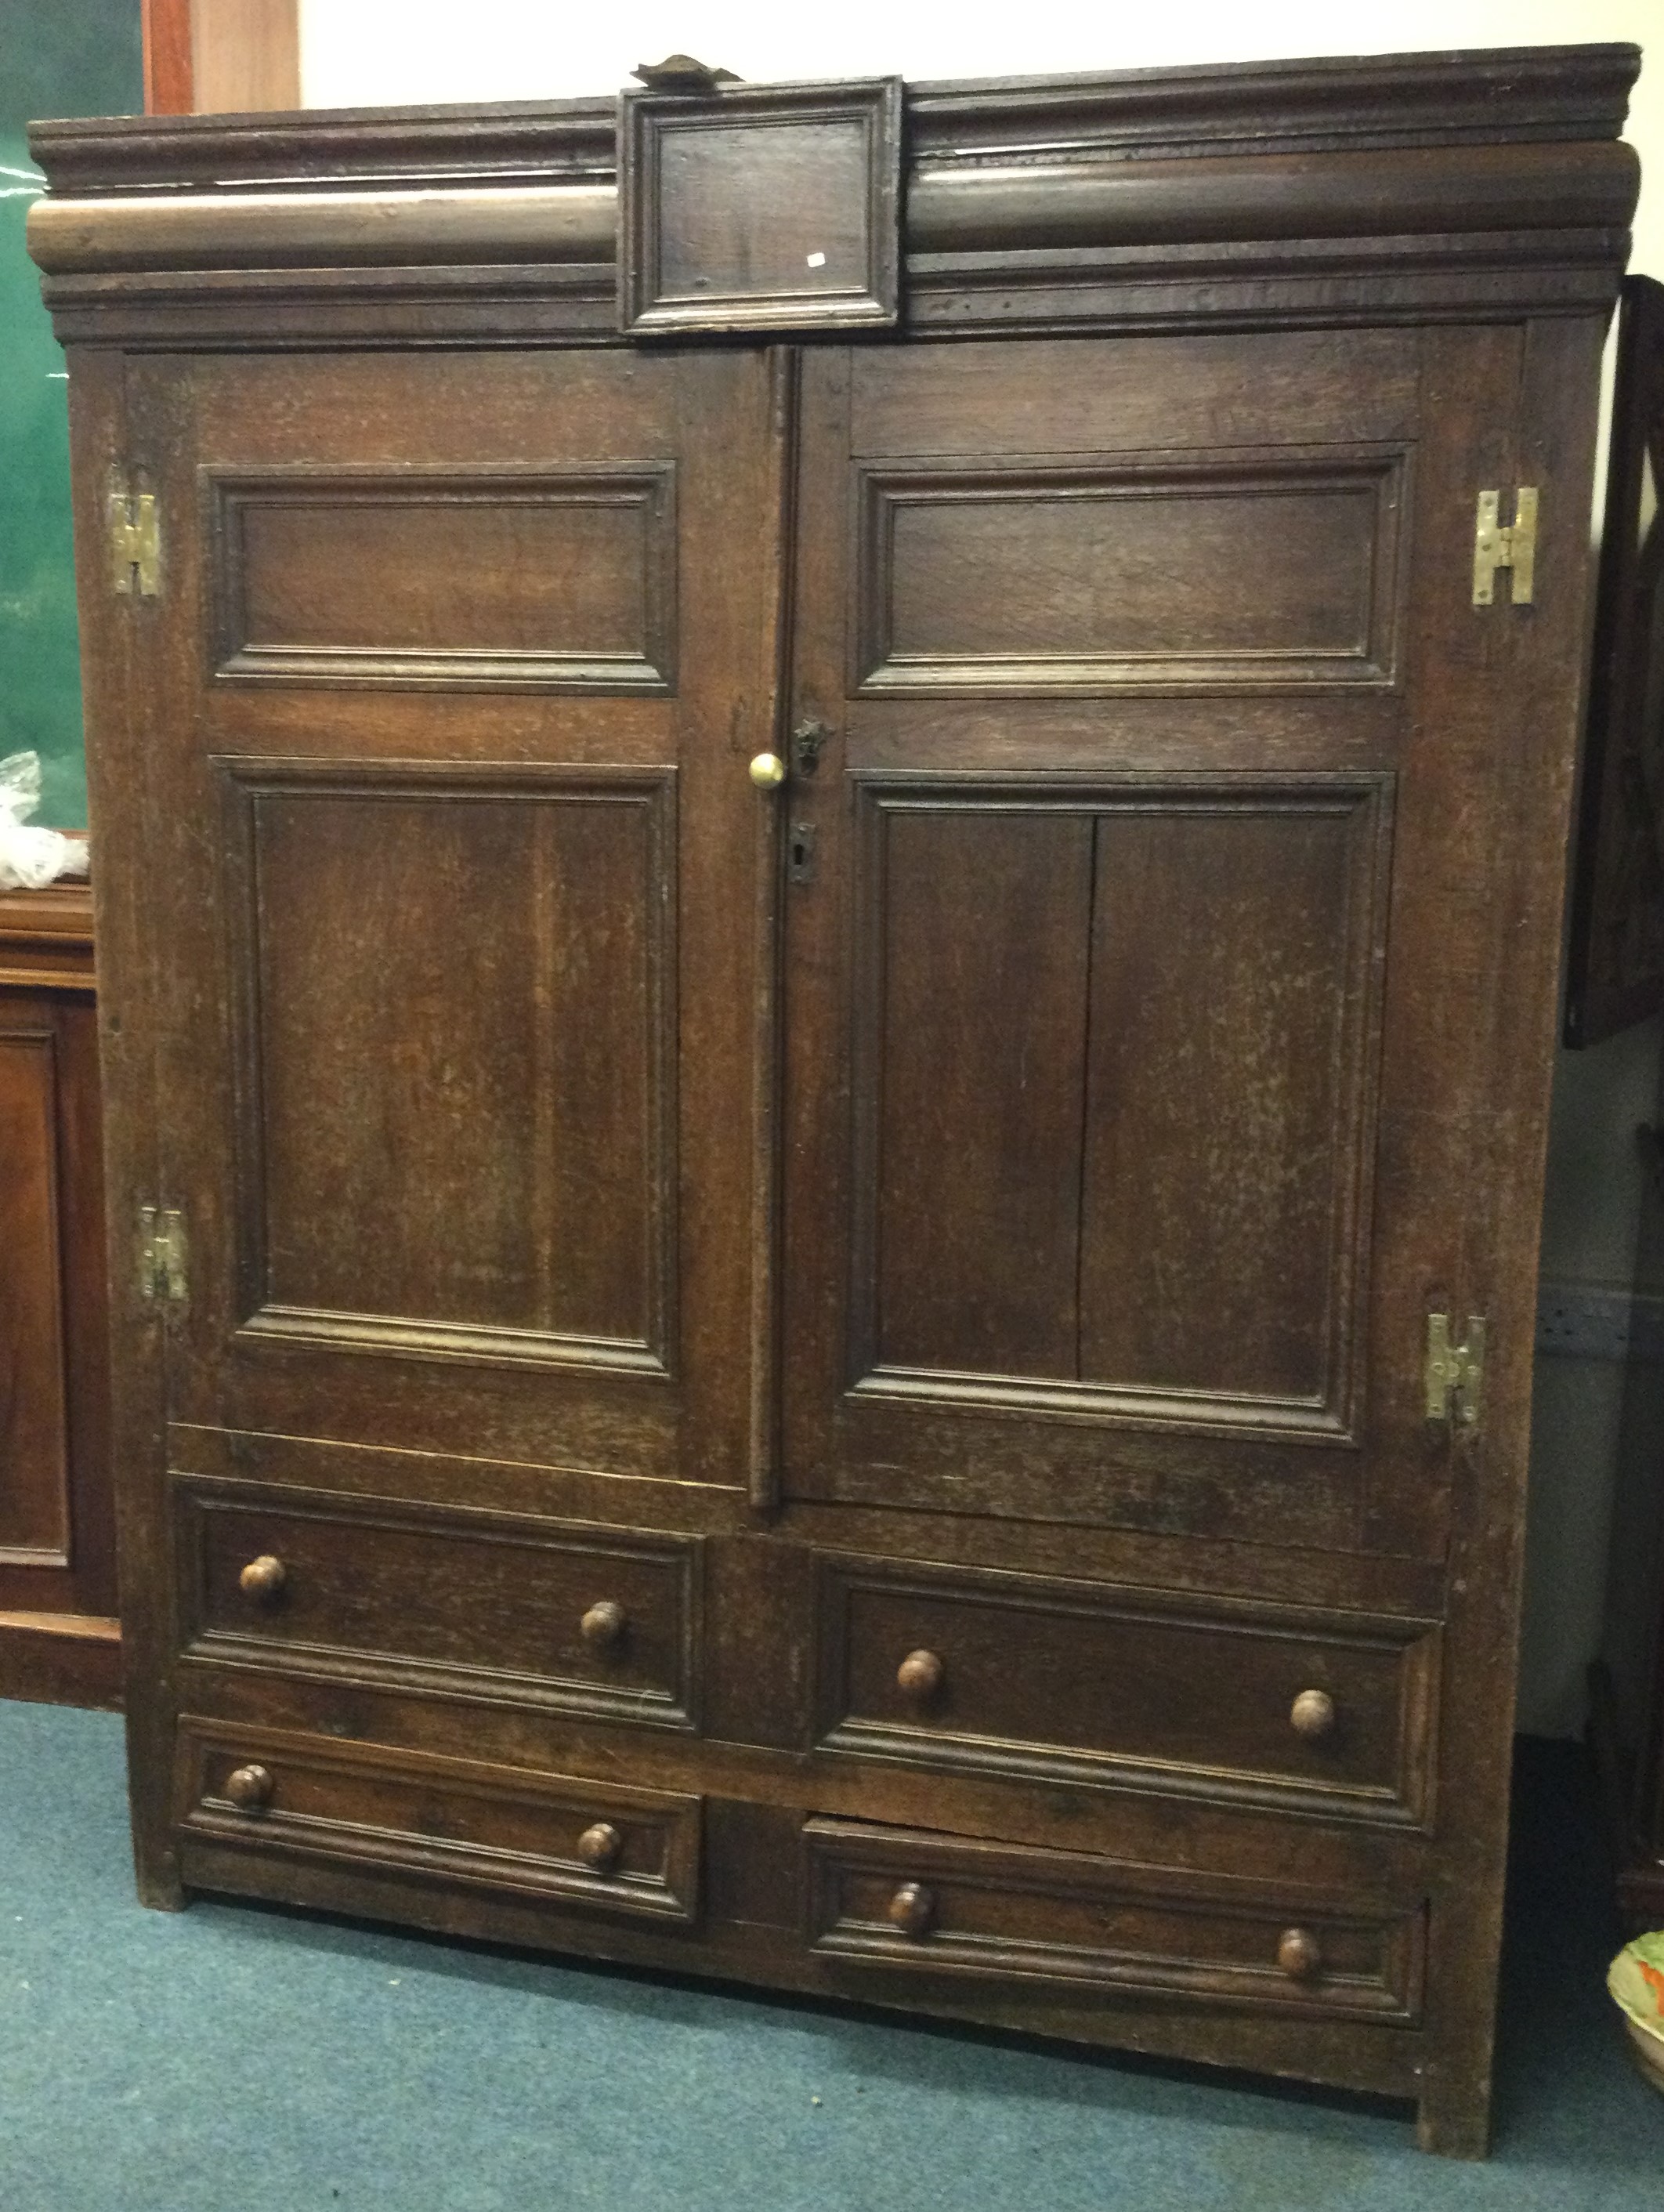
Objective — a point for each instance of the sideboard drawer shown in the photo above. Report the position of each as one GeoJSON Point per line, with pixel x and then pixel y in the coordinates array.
{"type": "Point", "coordinates": [599, 1622]}
{"type": "Point", "coordinates": [953, 1905]}
{"type": "Point", "coordinates": [1063, 1681]}
{"type": "Point", "coordinates": [608, 1845]}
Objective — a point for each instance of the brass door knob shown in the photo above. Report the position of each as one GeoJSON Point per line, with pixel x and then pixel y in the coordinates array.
{"type": "Point", "coordinates": [603, 1624]}
{"type": "Point", "coordinates": [1299, 1954]}
{"type": "Point", "coordinates": [768, 771]}
{"type": "Point", "coordinates": [263, 1579]}
{"type": "Point", "coordinates": [250, 1788]}
{"type": "Point", "coordinates": [913, 1908]}
{"type": "Point", "coordinates": [598, 1847]}
{"type": "Point", "coordinates": [919, 1676]}
{"type": "Point", "coordinates": [1312, 1714]}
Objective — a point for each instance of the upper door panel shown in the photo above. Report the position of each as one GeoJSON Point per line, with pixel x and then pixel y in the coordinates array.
{"type": "Point", "coordinates": [1106, 1016]}
{"type": "Point", "coordinates": [460, 659]}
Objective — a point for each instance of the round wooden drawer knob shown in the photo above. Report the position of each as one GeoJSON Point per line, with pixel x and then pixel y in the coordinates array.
{"type": "Point", "coordinates": [249, 1788]}
{"type": "Point", "coordinates": [919, 1676]}
{"type": "Point", "coordinates": [913, 1908]}
{"type": "Point", "coordinates": [603, 1627]}
{"type": "Point", "coordinates": [598, 1847]}
{"type": "Point", "coordinates": [263, 1579]}
{"type": "Point", "coordinates": [1299, 1954]}
{"type": "Point", "coordinates": [1312, 1714]}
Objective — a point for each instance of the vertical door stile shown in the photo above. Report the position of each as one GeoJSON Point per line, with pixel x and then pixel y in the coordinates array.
{"type": "Point", "coordinates": [114, 431]}
{"type": "Point", "coordinates": [774, 671]}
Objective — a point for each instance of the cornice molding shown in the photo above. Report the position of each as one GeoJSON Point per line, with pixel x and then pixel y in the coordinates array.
{"type": "Point", "coordinates": [1483, 185]}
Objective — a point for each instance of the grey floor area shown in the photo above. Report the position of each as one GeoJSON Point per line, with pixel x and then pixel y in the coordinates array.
{"type": "Point", "coordinates": [236, 2059]}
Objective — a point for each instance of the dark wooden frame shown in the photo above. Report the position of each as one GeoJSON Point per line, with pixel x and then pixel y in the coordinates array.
{"type": "Point", "coordinates": [644, 121]}
{"type": "Point", "coordinates": [168, 78]}
{"type": "Point", "coordinates": [1618, 887]}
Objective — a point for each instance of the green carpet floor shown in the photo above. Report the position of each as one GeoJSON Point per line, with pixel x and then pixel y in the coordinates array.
{"type": "Point", "coordinates": [235, 2060]}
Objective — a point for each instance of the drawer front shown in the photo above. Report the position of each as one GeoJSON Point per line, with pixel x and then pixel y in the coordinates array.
{"type": "Point", "coordinates": [608, 1846]}
{"type": "Point", "coordinates": [1052, 1681]}
{"type": "Point", "coordinates": [949, 1905]}
{"type": "Point", "coordinates": [441, 1600]}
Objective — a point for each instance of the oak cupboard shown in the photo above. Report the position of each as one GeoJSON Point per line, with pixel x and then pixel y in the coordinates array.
{"type": "Point", "coordinates": [830, 955]}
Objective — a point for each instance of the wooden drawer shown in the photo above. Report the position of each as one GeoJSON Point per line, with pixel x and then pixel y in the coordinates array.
{"type": "Point", "coordinates": [446, 1601]}
{"type": "Point", "coordinates": [959, 1905]}
{"type": "Point", "coordinates": [1060, 1681]}
{"type": "Point", "coordinates": [604, 1845]}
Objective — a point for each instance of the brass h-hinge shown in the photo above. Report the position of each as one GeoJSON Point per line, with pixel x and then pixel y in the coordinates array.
{"type": "Point", "coordinates": [1511, 546]}
{"type": "Point", "coordinates": [135, 542]}
{"type": "Point", "coordinates": [162, 1255]}
{"type": "Point", "coordinates": [1454, 1373]}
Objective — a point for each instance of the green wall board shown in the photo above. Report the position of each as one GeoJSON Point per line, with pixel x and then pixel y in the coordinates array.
{"type": "Point", "coordinates": [72, 58]}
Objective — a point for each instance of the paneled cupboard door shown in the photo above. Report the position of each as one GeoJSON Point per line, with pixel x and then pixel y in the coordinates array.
{"type": "Point", "coordinates": [456, 671]}
{"type": "Point", "coordinates": [1138, 995]}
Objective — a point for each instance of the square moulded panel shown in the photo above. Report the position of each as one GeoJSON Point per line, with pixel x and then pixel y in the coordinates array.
{"type": "Point", "coordinates": [454, 1027]}
{"type": "Point", "coordinates": [771, 208]}
{"type": "Point", "coordinates": [444, 579]}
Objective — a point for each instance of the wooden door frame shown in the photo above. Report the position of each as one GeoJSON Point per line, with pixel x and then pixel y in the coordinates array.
{"type": "Point", "coordinates": [259, 50]}
{"type": "Point", "coordinates": [168, 77]}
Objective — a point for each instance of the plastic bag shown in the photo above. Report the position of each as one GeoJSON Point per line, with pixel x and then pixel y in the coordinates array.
{"type": "Point", "coordinates": [31, 858]}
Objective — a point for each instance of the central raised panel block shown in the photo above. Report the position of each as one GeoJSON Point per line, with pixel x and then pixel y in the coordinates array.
{"type": "Point", "coordinates": [760, 208]}
{"type": "Point", "coordinates": [478, 1061]}
{"type": "Point", "coordinates": [1110, 1163]}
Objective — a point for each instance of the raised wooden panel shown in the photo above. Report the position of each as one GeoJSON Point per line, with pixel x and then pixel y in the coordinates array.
{"type": "Point", "coordinates": [449, 1602]}
{"type": "Point", "coordinates": [1001, 1911]}
{"type": "Point", "coordinates": [455, 1006]}
{"type": "Point", "coordinates": [1114, 1067]}
{"type": "Point", "coordinates": [760, 208]}
{"type": "Point", "coordinates": [480, 1827]}
{"type": "Point", "coordinates": [1224, 572]}
{"type": "Point", "coordinates": [35, 1468]}
{"type": "Point", "coordinates": [981, 981]}
{"type": "Point", "coordinates": [1063, 1683]}
{"type": "Point", "coordinates": [529, 578]}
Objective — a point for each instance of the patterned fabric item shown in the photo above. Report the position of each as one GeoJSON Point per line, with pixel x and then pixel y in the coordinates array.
{"type": "Point", "coordinates": [1635, 1978]}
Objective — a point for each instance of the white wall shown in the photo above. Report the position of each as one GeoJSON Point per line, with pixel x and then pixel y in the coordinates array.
{"type": "Point", "coordinates": [367, 52]}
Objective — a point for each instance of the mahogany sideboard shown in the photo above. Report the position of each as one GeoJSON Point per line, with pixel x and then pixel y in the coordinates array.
{"type": "Point", "coordinates": [832, 823]}
{"type": "Point", "coordinates": [59, 1636]}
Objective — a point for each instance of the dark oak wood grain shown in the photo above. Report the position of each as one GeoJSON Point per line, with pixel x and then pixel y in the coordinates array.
{"type": "Point", "coordinates": [826, 1018]}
